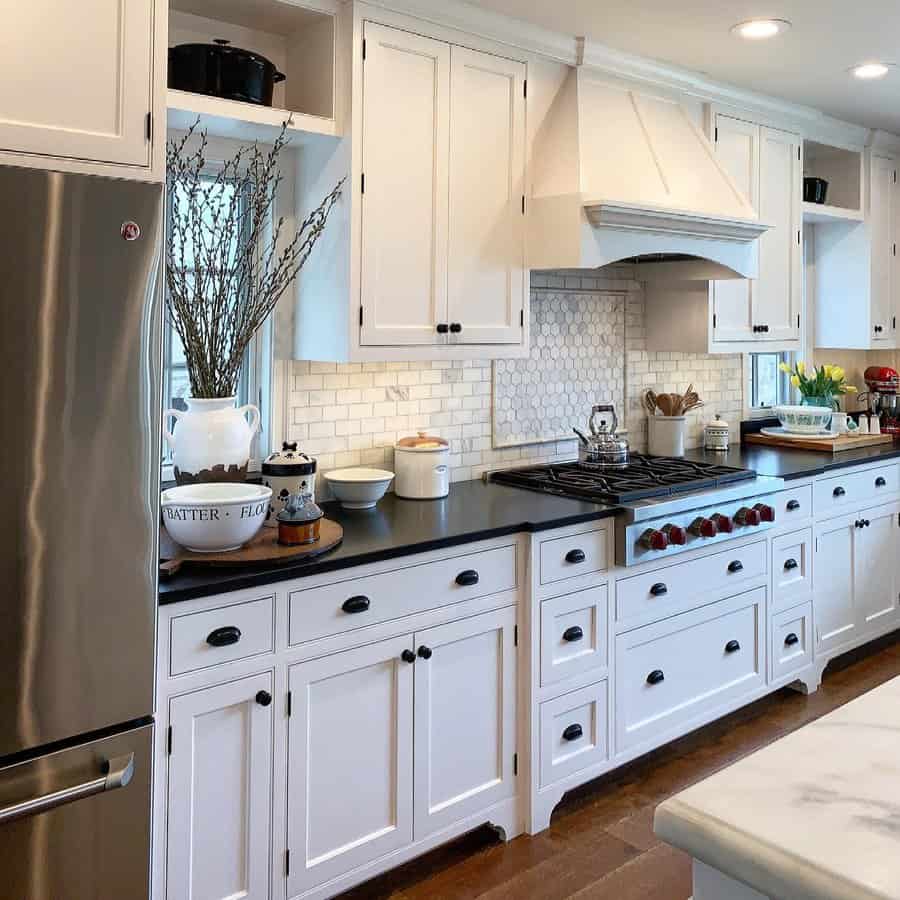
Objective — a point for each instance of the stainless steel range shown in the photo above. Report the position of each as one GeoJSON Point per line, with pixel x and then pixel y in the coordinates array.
{"type": "Point", "coordinates": [668, 505]}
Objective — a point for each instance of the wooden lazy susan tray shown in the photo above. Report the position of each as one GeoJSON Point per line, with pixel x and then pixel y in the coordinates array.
{"type": "Point", "coordinates": [264, 549]}
{"type": "Point", "coordinates": [824, 444]}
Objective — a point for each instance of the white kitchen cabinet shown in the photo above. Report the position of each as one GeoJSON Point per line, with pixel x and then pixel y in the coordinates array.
{"type": "Point", "coordinates": [881, 223]}
{"type": "Point", "coordinates": [833, 583]}
{"type": "Point", "coordinates": [91, 87]}
{"type": "Point", "coordinates": [219, 811]}
{"type": "Point", "coordinates": [465, 719]}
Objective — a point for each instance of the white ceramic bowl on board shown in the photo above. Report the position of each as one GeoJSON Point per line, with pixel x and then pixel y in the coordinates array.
{"type": "Point", "coordinates": [804, 419]}
{"type": "Point", "coordinates": [359, 488]}
{"type": "Point", "coordinates": [214, 517]}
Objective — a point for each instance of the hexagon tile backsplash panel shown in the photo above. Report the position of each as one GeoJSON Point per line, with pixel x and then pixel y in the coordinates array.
{"type": "Point", "coordinates": [577, 360]}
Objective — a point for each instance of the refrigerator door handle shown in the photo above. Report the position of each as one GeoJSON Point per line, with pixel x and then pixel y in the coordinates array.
{"type": "Point", "coordinates": [117, 773]}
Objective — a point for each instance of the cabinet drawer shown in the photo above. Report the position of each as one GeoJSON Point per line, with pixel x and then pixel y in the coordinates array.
{"type": "Point", "coordinates": [663, 592]}
{"type": "Point", "coordinates": [336, 608]}
{"type": "Point", "coordinates": [791, 568]}
{"type": "Point", "coordinates": [577, 554]}
{"type": "Point", "coordinates": [672, 672]}
{"type": "Point", "coordinates": [202, 639]}
{"type": "Point", "coordinates": [793, 505]}
{"type": "Point", "coordinates": [791, 640]}
{"type": "Point", "coordinates": [843, 493]}
{"type": "Point", "coordinates": [574, 634]}
{"type": "Point", "coordinates": [574, 732]}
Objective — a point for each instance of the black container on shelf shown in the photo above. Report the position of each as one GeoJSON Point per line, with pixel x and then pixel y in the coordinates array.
{"type": "Point", "coordinates": [815, 190]}
{"type": "Point", "coordinates": [220, 70]}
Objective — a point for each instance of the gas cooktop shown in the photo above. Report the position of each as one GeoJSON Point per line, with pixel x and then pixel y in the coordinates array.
{"type": "Point", "coordinates": [645, 478]}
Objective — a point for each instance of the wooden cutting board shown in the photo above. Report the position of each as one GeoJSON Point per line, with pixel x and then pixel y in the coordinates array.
{"type": "Point", "coordinates": [832, 445]}
{"type": "Point", "coordinates": [264, 549]}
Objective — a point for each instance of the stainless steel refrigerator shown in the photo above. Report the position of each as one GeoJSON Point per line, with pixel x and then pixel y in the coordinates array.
{"type": "Point", "coordinates": [79, 382]}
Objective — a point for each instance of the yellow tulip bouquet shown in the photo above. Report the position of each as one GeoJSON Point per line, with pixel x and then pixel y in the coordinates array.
{"type": "Point", "coordinates": [818, 386]}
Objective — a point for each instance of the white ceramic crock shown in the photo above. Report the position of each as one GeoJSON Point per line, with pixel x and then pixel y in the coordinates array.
{"type": "Point", "coordinates": [212, 440]}
{"type": "Point", "coordinates": [422, 468]}
{"type": "Point", "coordinates": [665, 435]}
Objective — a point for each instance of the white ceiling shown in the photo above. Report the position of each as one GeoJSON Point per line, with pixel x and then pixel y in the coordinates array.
{"type": "Point", "coordinates": [806, 65]}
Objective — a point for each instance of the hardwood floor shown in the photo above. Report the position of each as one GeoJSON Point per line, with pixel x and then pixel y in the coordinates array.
{"type": "Point", "coordinates": [600, 844]}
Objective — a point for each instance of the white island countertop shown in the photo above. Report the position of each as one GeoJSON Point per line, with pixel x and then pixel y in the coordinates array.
{"type": "Point", "coordinates": [813, 816]}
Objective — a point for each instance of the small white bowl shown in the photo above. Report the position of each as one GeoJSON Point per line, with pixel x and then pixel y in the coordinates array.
{"type": "Point", "coordinates": [214, 517]}
{"type": "Point", "coordinates": [804, 419]}
{"type": "Point", "coordinates": [359, 488]}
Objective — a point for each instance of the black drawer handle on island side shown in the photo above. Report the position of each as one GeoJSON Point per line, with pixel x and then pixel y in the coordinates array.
{"type": "Point", "coordinates": [659, 589]}
{"type": "Point", "coordinates": [263, 698]}
{"type": "Point", "coordinates": [469, 578]}
{"type": "Point", "coordinates": [790, 564]}
{"type": "Point", "coordinates": [574, 633]}
{"type": "Point", "coordinates": [576, 556]}
{"type": "Point", "coordinates": [735, 566]}
{"type": "Point", "coordinates": [880, 482]}
{"type": "Point", "coordinates": [656, 676]}
{"type": "Point", "coordinates": [573, 732]}
{"type": "Point", "coordinates": [224, 637]}
{"type": "Point", "coordinates": [732, 647]}
{"type": "Point", "coordinates": [838, 492]}
{"type": "Point", "coordinates": [356, 604]}
{"type": "Point", "coordinates": [793, 505]}
{"type": "Point", "coordinates": [791, 639]}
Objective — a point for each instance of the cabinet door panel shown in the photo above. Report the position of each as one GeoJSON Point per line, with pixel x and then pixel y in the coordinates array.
{"type": "Point", "coordinates": [776, 298]}
{"type": "Point", "coordinates": [737, 148]}
{"type": "Point", "coordinates": [88, 88]}
{"type": "Point", "coordinates": [881, 220]}
{"type": "Point", "coordinates": [405, 148]}
{"type": "Point", "coordinates": [349, 761]}
{"type": "Point", "coordinates": [834, 602]}
{"type": "Point", "coordinates": [486, 266]}
{"type": "Point", "coordinates": [219, 793]}
{"type": "Point", "coordinates": [465, 719]}
{"type": "Point", "coordinates": [876, 568]}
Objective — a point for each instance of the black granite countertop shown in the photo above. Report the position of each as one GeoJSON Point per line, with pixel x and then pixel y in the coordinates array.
{"type": "Point", "coordinates": [474, 511]}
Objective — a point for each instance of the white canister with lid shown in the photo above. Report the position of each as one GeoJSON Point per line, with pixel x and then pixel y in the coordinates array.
{"type": "Point", "coordinates": [716, 434]}
{"type": "Point", "coordinates": [422, 467]}
{"type": "Point", "coordinates": [287, 471]}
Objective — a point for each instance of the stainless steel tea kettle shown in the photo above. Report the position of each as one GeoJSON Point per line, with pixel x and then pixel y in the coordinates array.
{"type": "Point", "coordinates": [604, 448]}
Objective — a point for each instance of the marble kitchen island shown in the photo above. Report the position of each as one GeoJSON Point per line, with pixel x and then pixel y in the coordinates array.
{"type": "Point", "coordinates": [814, 816]}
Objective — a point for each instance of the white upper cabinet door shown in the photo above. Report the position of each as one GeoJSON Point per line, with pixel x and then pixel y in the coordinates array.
{"type": "Point", "coordinates": [220, 792]}
{"type": "Point", "coordinates": [876, 568]}
{"type": "Point", "coordinates": [405, 149]}
{"type": "Point", "coordinates": [465, 719]}
{"type": "Point", "coordinates": [737, 148]}
{"type": "Point", "coordinates": [349, 761]}
{"type": "Point", "coordinates": [834, 602]}
{"type": "Point", "coordinates": [77, 79]}
{"type": "Point", "coordinates": [777, 293]}
{"type": "Point", "coordinates": [881, 223]}
{"type": "Point", "coordinates": [486, 266]}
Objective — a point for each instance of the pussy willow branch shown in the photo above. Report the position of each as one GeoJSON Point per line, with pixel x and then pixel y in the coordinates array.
{"type": "Point", "coordinates": [228, 261]}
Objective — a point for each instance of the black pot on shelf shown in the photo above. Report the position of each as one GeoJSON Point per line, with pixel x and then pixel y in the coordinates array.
{"type": "Point", "coordinates": [815, 190]}
{"type": "Point", "coordinates": [220, 70]}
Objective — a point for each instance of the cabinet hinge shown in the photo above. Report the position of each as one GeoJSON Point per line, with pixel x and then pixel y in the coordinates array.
{"type": "Point", "coordinates": [895, 176]}
{"type": "Point", "coordinates": [798, 153]}
{"type": "Point", "coordinates": [521, 318]}
{"type": "Point", "coordinates": [716, 134]}
{"type": "Point", "coordinates": [360, 316]}
{"type": "Point", "coordinates": [894, 322]}
{"type": "Point", "coordinates": [287, 863]}
{"type": "Point", "coordinates": [525, 88]}
{"type": "Point", "coordinates": [714, 320]}
{"type": "Point", "coordinates": [149, 126]}
{"type": "Point", "coordinates": [364, 49]}
{"type": "Point", "coordinates": [523, 204]}
{"type": "Point", "coordinates": [798, 237]}
{"type": "Point", "coordinates": [290, 703]}
{"type": "Point", "coordinates": [515, 763]}
{"type": "Point", "coordinates": [515, 635]}
{"type": "Point", "coordinates": [362, 183]}
{"type": "Point", "coordinates": [895, 249]}
{"type": "Point", "coordinates": [169, 741]}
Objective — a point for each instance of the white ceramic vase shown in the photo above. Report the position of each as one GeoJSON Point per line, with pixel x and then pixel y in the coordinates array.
{"type": "Point", "coordinates": [212, 440]}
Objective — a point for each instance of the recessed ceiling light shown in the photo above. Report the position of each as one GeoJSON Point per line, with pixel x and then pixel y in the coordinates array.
{"type": "Point", "coordinates": [871, 70]}
{"type": "Point", "coordinates": [759, 29]}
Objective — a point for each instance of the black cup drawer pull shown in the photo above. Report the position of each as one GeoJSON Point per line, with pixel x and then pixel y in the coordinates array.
{"type": "Point", "coordinates": [659, 589]}
{"type": "Point", "coordinates": [576, 556]}
{"type": "Point", "coordinates": [732, 647]}
{"type": "Point", "coordinates": [573, 633]}
{"type": "Point", "coordinates": [880, 482]}
{"type": "Point", "coordinates": [791, 639]}
{"type": "Point", "coordinates": [468, 578]}
{"type": "Point", "coordinates": [656, 676]}
{"type": "Point", "coordinates": [358, 604]}
{"type": "Point", "coordinates": [793, 505]}
{"type": "Point", "coordinates": [838, 492]}
{"type": "Point", "coordinates": [572, 732]}
{"type": "Point", "coordinates": [790, 564]}
{"type": "Point", "coordinates": [735, 566]}
{"type": "Point", "coordinates": [224, 637]}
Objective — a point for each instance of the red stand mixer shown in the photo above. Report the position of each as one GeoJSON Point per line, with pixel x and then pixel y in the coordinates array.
{"type": "Point", "coordinates": [884, 397]}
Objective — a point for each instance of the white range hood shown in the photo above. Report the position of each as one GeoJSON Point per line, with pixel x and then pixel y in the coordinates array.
{"type": "Point", "coordinates": [621, 175]}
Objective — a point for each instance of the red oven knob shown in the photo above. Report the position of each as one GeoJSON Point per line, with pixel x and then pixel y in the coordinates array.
{"type": "Point", "coordinates": [675, 534]}
{"type": "Point", "coordinates": [746, 516]}
{"type": "Point", "coordinates": [725, 524]}
{"type": "Point", "coordinates": [654, 540]}
{"type": "Point", "coordinates": [766, 512]}
{"type": "Point", "coordinates": [704, 528]}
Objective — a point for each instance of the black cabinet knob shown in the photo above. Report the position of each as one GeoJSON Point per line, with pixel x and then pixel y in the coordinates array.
{"type": "Point", "coordinates": [455, 328]}
{"type": "Point", "coordinates": [838, 492]}
{"type": "Point", "coordinates": [659, 589]}
{"type": "Point", "coordinates": [408, 656]}
{"type": "Point", "coordinates": [572, 732]}
{"type": "Point", "coordinates": [573, 633]}
{"type": "Point", "coordinates": [790, 564]}
{"type": "Point", "coordinates": [732, 647]}
{"type": "Point", "coordinates": [735, 566]}
{"type": "Point", "coordinates": [424, 652]}
{"type": "Point", "coordinates": [858, 523]}
{"type": "Point", "coordinates": [866, 523]}
{"type": "Point", "coordinates": [442, 328]}
{"type": "Point", "coordinates": [224, 636]}
{"type": "Point", "coordinates": [356, 604]}
{"type": "Point", "coordinates": [263, 698]}
{"type": "Point", "coordinates": [576, 556]}
{"type": "Point", "coordinates": [793, 505]}
{"type": "Point", "coordinates": [467, 578]}
{"type": "Point", "coordinates": [791, 639]}
{"type": "Point", "coordinates": [656, 676]}
{"type": "Point", "coordinates": [880, 482]}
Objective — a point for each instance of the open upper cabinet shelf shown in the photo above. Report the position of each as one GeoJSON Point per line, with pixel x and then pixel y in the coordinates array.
{"type": "Point", "coordinates": [843, 170]}
{"type": "Point", "coordinates": [298, 40]}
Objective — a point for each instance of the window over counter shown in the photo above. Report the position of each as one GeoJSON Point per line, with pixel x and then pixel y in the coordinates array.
{"type": "Point", "coordinates": [769, 386]}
